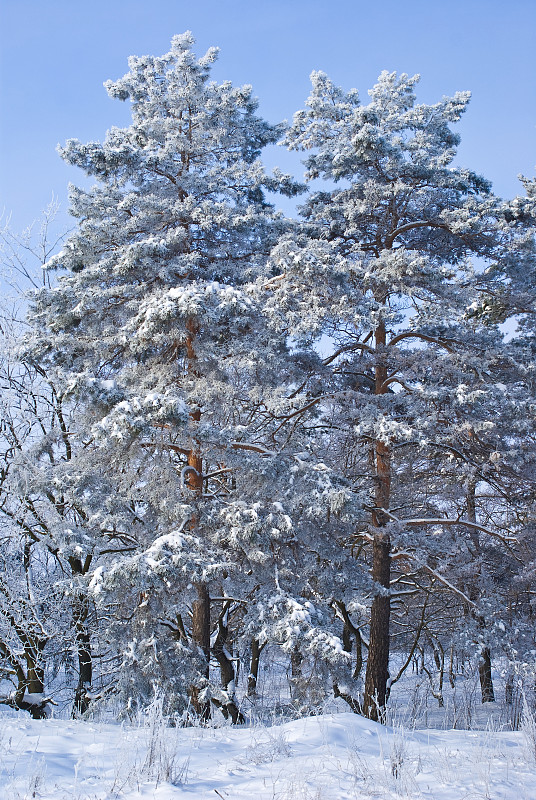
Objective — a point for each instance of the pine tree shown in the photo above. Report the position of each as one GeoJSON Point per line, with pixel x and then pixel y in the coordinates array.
{"type": "Point", "coordinates": [184, 395]}
{"type": "Point", "coordinates": [382, 266]}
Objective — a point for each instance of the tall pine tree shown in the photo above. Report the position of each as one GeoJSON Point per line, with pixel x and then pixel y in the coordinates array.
{"type": "Point", "coordinates": [186, 466]}
{"type": "Point", "coordinates": [382, 266]}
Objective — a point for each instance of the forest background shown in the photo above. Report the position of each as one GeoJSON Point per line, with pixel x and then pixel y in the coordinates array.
{"type": "Point", "coordinates": [497, 234]}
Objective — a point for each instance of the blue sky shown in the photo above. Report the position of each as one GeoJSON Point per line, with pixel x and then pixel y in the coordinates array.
{"type": "Point", "coordinates": [55, 55]}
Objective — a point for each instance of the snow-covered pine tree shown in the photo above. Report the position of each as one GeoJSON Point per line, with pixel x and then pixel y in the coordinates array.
{"type": "Point", "coordinates": [186, 463]}
{"type": "Point", "coordinates": [509, 296]}
{"type": "Point", "coordinates": [382, 266]}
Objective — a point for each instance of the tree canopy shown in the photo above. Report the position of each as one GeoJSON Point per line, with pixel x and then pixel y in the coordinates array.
{"type": "Point", "coordinates": [246, 431]}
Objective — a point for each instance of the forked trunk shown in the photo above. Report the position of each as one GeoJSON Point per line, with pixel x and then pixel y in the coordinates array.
{"type": "Point", "coordinates": [29, 695]}
{"type": "Point", "coordinates": [229, 707]}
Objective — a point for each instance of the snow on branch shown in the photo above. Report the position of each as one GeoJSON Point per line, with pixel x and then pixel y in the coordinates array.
{"type": "Point", "coordinates": [349, 349]}
{"type": "Point", "coordinates": [424, 337]}
{"type": "Point", "coordinates": [507, 540]}
{"type": "Point", "coordinates": [255, 448]}
{"type": "Point", "coordinates": [447, 583]}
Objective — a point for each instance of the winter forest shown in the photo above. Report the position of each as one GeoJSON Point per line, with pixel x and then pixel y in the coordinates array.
{"type": "Point", "coordinates": [255, 465]}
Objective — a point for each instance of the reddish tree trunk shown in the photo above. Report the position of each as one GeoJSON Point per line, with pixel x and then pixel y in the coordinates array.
{"type": "Point", "coordinates": [201, 637]}
{"type": "Point", "coordinates": [200, 606]}
{"type": "Point", "coordinates": [377, 673]}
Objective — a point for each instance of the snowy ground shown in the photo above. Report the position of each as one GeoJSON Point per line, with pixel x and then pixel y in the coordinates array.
{"type": "Point", "coordinates": [329, 757]}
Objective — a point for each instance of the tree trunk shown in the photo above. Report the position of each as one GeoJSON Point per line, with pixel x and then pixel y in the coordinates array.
{"type": "Point", "coordinates": [439, 658]}
{"type": "Point", "coordinates": [253, 677]}
{"type": "Point", "coordinates": [296, 676]}
{"type": "Point", "coordinates": [377, 673]}
{"type": "Point", "coordinates": [486, 680]}
{"type": "Point", "coordinates": [29, 681]}
{"type": "Point", "coordinates": [484, 662]}
{"type": "Point", "coordinates": [35, 679]}
{"type": "Point", "coordinates": [82, 698]}
{"type": "Point", "coordinates": [35, 673]}
{"type": "Point", "coordinates": [201, 606]}
{"type": "Point", "coordinates": [227, 671]}
{"type": "Point", "coordinates": [349, 633]}
{"type": "Point", "coordinates": [80, 614]}
{"type": "Point", "coordinates": [201, 637]}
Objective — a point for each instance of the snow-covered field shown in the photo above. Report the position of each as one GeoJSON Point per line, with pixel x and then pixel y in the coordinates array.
{"type": "Point", "coordinates": [328, 757]}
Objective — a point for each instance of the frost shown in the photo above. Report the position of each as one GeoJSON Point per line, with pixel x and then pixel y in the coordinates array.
{"type": "Point", "coordinates": [96, 583]}
{"type": "Point", "coordinates": [333, 384]}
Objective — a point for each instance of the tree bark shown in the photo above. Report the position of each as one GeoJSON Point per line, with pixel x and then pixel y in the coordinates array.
{"type": "Point", "coordinates": [201, 638]}
{"type": "Point", "coordinates": [253, 677]}
{"type": "Point", "coordinates": [486, 679]}
{"type": "Point", "coordinates": [35, 678]}
{"type": "Point", "coordinates": [377, 673]}
{"type": "Point", "coordinates": [200, 606]}
{"type": "Point", "coordinates": [82, 698]}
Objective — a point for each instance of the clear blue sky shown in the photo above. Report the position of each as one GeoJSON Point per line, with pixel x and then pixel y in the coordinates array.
{"type": "Point", "coordinates": [55, 55]}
